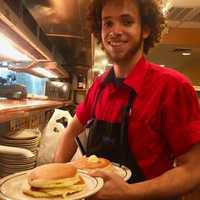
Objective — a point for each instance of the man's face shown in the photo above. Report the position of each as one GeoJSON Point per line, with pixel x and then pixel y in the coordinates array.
{"type": "Point", "coordinates": [121, 33]}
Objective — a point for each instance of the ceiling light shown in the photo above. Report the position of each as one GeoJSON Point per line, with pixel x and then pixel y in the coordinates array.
{"type": "Point", "coordinates": [44, 72]}
{"type": "Point", "coordinates": [57, 83]}
{"type": "Point", "coordinates": [166, 5]}
{"type": "Point", "coordinates": [19, 26]}
{"type": "Point", "coordinates": [186, 54]}
{"type": "Point", "coordinates": [8, 50]}
{"type": "Point", "coordinates": [183, 51]}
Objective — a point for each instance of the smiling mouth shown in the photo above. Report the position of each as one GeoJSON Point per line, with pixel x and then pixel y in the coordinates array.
{"type": "Point", "coordinates": [116, 43]}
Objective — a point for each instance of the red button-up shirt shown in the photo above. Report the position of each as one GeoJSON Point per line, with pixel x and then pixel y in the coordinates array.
{"type": "Point", "coordinates": [165, 117]}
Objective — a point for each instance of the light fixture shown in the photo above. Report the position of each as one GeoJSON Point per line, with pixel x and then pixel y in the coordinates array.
{"type": "Point", "coordinates": [8, 50]}
{"type": "Point", "coordinates": [44, 72]}
{"type": "Point", "coordinates": [186, 54]}
{"type": "Point", "coordinates": [57, 83]}
{"type": "Point", "coordinates": [183, 51]}
{"type": "Point", "coordinates": [166, 5]}
{"type": "Point", "coordinates": [18, 25]}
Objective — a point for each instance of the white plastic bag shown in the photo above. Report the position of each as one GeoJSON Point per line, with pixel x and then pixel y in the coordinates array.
{"type": "Point", "coordinates": [51, 136]}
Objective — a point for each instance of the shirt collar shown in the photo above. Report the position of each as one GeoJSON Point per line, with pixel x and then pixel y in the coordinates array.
{"type": "Point", "coordinates": [137, 74]}
{"type": "Point", "coordinates": [135, 77]}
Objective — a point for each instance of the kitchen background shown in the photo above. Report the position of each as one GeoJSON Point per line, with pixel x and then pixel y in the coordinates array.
{"type": "Point", "coordinates": [48, 60]}
{"type": "Point", "coordinates": [63, 48]}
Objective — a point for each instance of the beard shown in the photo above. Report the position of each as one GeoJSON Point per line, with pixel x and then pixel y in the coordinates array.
{"type": "Point", "coordinates": [127, 56]}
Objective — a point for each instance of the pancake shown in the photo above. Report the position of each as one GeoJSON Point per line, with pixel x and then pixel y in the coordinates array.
{"type": "Point", "coordinates": [55, 179]}
{"type": "Point", "coordinates": [93, 163]}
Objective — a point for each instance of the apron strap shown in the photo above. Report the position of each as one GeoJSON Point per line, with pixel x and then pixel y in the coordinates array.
{"type": "Point", "coordinates": [124, 123]}
{"type": "Point", "coordinates": [137, 173]}
{"type": "Point", "coordinates": [109, 78]}
{"type": "Point", "coordinates": [96, 100]}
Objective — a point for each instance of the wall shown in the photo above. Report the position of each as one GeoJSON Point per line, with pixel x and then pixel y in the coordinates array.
{"type": "Point", "coordinates": [192, 72]}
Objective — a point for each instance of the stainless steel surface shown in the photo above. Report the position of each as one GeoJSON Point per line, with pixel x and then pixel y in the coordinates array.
{"type": "Point", "coordinates": [66, 28]}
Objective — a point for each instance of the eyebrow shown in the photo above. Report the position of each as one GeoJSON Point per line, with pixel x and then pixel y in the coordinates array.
{"type": "Point", "coordinates": [123, 15]}
{"type": "Point", "coordinates": [127, 15]}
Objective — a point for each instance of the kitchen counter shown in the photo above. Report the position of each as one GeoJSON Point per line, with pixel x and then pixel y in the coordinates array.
{"type": "Point", "coordinates": [12, 109]}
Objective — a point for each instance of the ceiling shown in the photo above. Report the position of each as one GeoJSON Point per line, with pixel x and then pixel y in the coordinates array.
{"type": "Point", "coordinates": [184, 3]}
{"type": "Point", "coordinates": [64, 24]}
{"type": "Point", "coordinates": [182, 36]}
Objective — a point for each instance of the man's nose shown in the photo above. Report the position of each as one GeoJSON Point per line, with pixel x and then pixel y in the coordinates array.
{"type": "Point", "coordinates": [116, 30]}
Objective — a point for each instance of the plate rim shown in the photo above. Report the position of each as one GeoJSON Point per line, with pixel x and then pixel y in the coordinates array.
{"type": "Point", "coordinates": [99, 184]}
{"type": "Point", "coordinates": [125, 169]}
{"type": "Point", "coordinates": [116, 166]}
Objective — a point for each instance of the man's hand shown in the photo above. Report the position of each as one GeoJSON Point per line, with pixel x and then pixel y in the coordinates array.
{"type": "Point", "coordinates": [114, 187]}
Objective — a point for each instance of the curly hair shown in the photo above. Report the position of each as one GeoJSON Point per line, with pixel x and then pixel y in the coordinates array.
{"type": "Point", "coordinates": [150, 14]}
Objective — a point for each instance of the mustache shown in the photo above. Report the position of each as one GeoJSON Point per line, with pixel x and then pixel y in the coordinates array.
{"type": "Point", "coordinates": [115, 38]}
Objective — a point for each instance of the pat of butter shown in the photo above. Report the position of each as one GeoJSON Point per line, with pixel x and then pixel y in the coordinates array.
{"type": "Point", "coordinates": [93, 159]}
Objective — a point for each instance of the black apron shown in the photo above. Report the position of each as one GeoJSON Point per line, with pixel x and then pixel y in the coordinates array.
{"type": "Point", "coordinates": [110, 140]}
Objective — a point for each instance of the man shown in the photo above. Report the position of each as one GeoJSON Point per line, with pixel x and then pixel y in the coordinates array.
{"type": "Point", "coordinates": [141, 115]}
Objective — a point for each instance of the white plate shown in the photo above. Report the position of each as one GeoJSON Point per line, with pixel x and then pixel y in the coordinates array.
{"type": "Point", "coordinates": [16, 166]}
{"type": "Point", "coordinates": [11, 187]}
{"type": "Point", "coordinates": [19, 141]}
{"type": "Point", "coordinates": [122, 171]}
{"type": "Point", "coordinates": [24, 134]}
{"type": "Point", "coordinates": [17, 158]}
{"type": "Point", "coordinates": [15, 151]}
{"type": "Point", "coordinates": [16, 162]}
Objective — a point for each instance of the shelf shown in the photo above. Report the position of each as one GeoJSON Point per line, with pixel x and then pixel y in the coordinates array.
{"type": "Point", "coordinates": [13, 109]}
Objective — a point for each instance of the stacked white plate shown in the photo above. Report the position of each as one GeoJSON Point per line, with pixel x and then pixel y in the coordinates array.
{"type": "Point", "coordinates": [27, 139]}
{"type": "Point", "coordinates": [14, 159]}
{"type": "Point", "coordinates": [18, 152]}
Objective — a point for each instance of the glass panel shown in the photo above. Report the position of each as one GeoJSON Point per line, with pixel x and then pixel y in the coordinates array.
{"type": "Point", "coordinates": [34, 84]}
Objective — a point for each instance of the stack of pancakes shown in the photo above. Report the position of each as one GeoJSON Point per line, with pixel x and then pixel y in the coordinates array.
{"type": "Point", "coordinates": [55, 179]}
{"type": "Point", "coordinates": [93, 163]}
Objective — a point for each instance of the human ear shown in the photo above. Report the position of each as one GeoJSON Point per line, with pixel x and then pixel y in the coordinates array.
{"type": "Point", "coordinates": [146, 32]}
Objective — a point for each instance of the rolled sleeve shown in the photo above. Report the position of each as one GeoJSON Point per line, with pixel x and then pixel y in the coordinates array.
{"type": "Point", "coordinates": [81, 113]}
{"type": "Point", "coordinates": [181, 117]}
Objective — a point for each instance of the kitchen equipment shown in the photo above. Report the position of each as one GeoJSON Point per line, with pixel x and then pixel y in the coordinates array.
{"type": "Point", "coordinates": [58, 90]}
{"type": "Point", "coordinates": [14, 91]}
